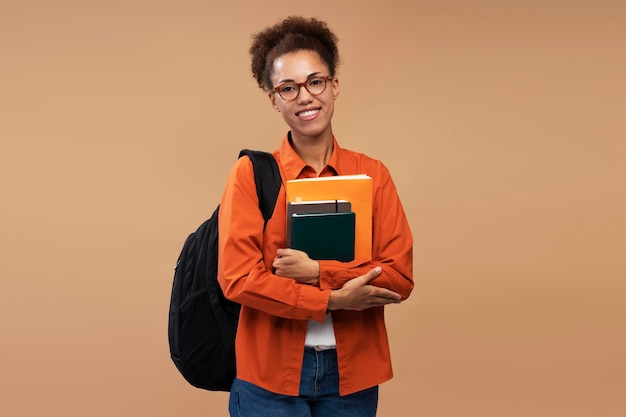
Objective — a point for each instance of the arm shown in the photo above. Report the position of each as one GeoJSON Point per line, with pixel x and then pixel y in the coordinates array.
{"type": "Point", "coordinates": [392, 245]}
{"type": "Point", "coordinates": [392, 249]}
{"type": "Point", "coordinates": [356, 294]}
{"type": "Point", "coordinates": [242, 273]}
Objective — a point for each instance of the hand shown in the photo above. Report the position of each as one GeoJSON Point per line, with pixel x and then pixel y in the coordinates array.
{"type": "Point", "coordinates": [295, 264]}
{"type": "Point", "coordinates": [358, 295]}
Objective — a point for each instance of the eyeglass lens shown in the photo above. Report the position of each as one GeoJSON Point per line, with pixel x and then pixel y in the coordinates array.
{"type": "Point", "coordinates": [290, 91]}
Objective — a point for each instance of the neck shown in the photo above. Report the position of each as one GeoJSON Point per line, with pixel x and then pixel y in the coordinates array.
{"type": "Point", "coordinates": [316, 151]}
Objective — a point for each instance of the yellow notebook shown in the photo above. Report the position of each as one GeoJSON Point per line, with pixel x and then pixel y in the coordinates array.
{"type": "Point", "coordinates": [357, 189]}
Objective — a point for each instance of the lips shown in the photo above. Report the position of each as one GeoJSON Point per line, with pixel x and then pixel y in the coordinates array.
{"type": "Point", "coordinates": [308, 114]}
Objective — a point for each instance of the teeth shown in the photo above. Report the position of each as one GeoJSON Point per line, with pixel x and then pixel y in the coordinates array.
{"type": "Point", "coordinates": [307, 113]}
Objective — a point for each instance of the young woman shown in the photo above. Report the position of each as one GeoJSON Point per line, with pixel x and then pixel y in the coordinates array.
{"type": "Point", "coordinates": [311, 339]}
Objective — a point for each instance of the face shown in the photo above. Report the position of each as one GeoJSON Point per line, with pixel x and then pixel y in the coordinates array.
{"type": "Point", "coordinates": [308, 116]}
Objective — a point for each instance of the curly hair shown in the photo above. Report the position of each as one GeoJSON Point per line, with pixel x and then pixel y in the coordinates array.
{"type": "Point", "coordinates": [293, 34]}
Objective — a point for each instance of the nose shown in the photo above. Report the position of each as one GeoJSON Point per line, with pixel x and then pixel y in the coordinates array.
{"type": "Point", "coordinates": [303, 95]}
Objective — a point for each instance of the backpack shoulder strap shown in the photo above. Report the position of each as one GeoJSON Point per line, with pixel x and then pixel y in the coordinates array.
{"type": "Point", "coordinates": [266, 178]}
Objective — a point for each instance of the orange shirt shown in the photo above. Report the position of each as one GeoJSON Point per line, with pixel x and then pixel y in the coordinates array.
{"type": "Point", "coordinates": [275, 310]}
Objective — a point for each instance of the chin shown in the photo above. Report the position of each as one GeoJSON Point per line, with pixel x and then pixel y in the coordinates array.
{"type": "Point", "coordinates": [310, 131]}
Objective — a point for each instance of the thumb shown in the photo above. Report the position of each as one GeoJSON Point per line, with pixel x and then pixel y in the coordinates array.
{"type": "Point", "coordinates": [371, 274]}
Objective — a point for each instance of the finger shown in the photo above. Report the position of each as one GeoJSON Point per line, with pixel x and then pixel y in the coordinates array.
{"type": "Point", "coordinates": [279, 262]}
{"type": "Point", "coordinates": [371, 274]}
{"type": "Point", "coordinates": [378, 302]}
{"type": "Point", "coordinates": [282, 252]}
{"type": "Point", "coordinates": [390, 295]}
{"type": "Point", "coordinates": [386, 301]}
{"type": "Point", "coordinates": [384, 292]}
{"type": "Point", "coordinates": [276, 262]}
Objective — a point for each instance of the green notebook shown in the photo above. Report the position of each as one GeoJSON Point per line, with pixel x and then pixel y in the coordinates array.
{"type": "Point", "coordinates": [310, 207]}
{"type": "Point", "coordinates": [324, 236]}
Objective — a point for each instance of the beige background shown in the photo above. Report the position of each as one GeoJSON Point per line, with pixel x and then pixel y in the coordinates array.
{"type": "Point", "coordinates": [502, 123]}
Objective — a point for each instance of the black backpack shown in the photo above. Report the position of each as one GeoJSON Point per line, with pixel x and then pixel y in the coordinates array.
{"type": "Point", "coordinates": [202, 322]}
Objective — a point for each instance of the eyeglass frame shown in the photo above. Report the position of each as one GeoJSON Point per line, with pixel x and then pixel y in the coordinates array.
{"type": "Point", "coordinates": [326, 78]}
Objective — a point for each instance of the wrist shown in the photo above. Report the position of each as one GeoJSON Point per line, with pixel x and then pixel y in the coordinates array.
{"type": "Point", "coordinates": [334, 300]}
{"type": "Point", "coordinates": [315, 272]}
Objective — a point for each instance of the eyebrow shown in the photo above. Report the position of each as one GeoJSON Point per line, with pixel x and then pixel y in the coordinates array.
{"type": "Point", "coordinates": [312, 75]}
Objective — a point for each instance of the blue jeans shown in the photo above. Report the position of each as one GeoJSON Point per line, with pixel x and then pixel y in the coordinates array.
{"type": "Point", "coordinates": [319, 394]}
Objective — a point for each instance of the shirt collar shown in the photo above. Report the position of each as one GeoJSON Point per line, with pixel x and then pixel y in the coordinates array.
{"type": "Point", "coordinates": [293, 165]}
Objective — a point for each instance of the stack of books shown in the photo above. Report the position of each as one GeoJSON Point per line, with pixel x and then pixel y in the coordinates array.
{"type": "Point", "coordinates": [330, 218]}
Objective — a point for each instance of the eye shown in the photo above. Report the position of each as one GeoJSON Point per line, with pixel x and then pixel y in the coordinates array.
{"type": "Point", "coordinates": [287, 88]}
{"type": "Point", "coordinates": [316, 82]}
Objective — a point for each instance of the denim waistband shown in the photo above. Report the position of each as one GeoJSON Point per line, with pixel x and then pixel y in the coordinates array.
{"type": "Point", "coordinates": [320, 348]}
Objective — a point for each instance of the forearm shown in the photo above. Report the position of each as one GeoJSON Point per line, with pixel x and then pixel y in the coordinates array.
{"type": "Point", "coordinates": [358, 294]}
{"type": "Point", "coordinates": [278, 296]}
{"type": "Point", "coordinates": [392, 248]}
{"type": "Point", "coordinates": [396, 275]}
{"type": "Point", "coordinates": [244, 272]}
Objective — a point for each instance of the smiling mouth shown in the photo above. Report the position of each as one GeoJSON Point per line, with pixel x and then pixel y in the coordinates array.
{"type": "Point", "coordinates": [307, 114]}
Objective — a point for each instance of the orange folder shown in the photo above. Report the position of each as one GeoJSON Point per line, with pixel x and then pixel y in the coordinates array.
{"type": "Point", "coordinates": [357, 189]}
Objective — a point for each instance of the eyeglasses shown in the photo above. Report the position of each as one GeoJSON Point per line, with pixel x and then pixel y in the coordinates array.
{"type": "Point", "coordinates": [291, 90]}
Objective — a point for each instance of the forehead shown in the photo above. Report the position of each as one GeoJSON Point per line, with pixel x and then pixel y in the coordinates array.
{"type": "Point", "coordinates": [297, 66]}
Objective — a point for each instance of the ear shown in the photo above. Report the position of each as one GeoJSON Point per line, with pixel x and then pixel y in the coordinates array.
{"type": "Point", "coordinates": [335, 86]}
{"type": "Point", "coordinates": [272, 97]}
